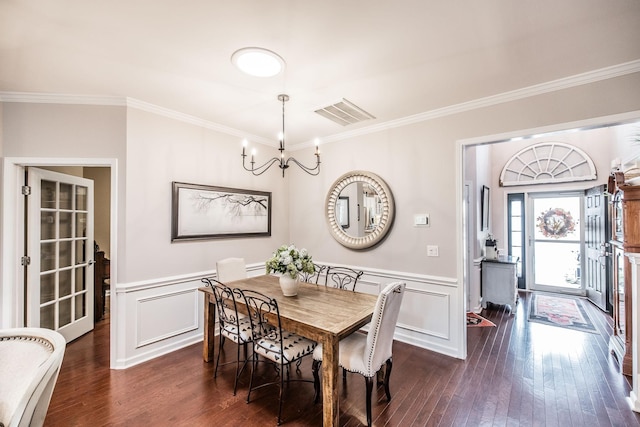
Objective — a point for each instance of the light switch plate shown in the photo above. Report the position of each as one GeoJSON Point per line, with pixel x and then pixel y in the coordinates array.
{"type": "Point", "coordinates": [421, 220]}
{"type": "Point", "coordinates": [432, 250]}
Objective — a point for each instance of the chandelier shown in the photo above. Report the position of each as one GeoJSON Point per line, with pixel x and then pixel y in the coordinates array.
{"type": "Point", "coordinates": [280, 161]}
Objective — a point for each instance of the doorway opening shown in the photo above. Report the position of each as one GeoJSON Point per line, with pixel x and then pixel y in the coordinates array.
{"type": "Point", "coordinates": [13, 245]}
{"type": "Point", "coordinates": [474, 158]}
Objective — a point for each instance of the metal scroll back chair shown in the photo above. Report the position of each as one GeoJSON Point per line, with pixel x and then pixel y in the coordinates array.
{"type": "Point", "coordinates": [315, 276]}
{"type": "Point", "coordinates": [272, 342]}
{"type": "Point", "coordinates": [365, 354]}
{"type": "Point", "coordinates": [342, 277]}
{"type": "Point", "coordinates": [231, 325]}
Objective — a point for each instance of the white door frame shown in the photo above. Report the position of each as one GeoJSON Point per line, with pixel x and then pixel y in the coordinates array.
{"type": "Point", "coordinates": [12, 245]}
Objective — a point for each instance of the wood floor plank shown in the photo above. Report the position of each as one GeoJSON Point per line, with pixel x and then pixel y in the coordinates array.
{"type": "Point", "coordinates": [518, 373]}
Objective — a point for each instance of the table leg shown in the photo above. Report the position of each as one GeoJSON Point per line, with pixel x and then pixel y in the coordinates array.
{"type": "Point", "coordinates": [330, 396]}
{"type": "Point", "coordinates": [209, 329]}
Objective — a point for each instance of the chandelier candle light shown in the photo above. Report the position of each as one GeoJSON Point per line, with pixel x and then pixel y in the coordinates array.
{"type": "Point", "coordinates": [282, 163]}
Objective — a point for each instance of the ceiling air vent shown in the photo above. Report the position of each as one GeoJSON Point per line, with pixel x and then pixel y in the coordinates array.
{"type": "Point", "coordinates": [344, 113]}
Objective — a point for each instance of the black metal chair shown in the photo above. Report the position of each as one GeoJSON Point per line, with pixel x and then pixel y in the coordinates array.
{"type": "Point", "coordinates": [231, 325]}
{"type": "Point", "coordinates": [272, 342]}
{"type": "Point", "coordinates": [342, 277]}
{"type": "Point", "coordinates": [315, 276]}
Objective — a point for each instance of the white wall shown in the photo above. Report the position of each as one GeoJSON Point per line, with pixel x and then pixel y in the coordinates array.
{"type": "Point", "coordinates": [418, 162]}
{"type": "Point", "coordinates": [157, 308]}
{"type": "Point", "coordinates": [158, 279]}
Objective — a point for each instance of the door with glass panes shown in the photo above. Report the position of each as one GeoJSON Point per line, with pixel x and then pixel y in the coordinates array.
{"type": "Point", "coordinates": [556, 242]}
{"type": "Point", "coordinates": [60, 248]}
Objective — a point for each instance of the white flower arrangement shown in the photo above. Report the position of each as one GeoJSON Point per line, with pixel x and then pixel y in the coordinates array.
{"type": "Point", "coordinates": [289, 260]}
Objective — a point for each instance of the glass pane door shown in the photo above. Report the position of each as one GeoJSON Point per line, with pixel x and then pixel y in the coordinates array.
{"type": "Point", "coordinates": [557, 242]}
{"type": "Point", "coordinates": [60, 244]}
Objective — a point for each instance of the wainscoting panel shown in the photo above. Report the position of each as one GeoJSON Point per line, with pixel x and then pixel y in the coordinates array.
{"type": "Point", "coordinates": [166, 315]}
{"type": "Point", "coordinates": [159, 316]}
{"type": "Point", "coordinates": [415, 317]}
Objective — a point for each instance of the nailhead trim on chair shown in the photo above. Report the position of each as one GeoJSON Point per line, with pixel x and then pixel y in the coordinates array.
{"type": "Point", "coordinates": [39, 340]}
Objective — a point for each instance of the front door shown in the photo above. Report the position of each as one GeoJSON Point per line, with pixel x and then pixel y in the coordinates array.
{"type": "Point", "coordinates": [60, 247]}
{"type": "Point", "coordinates": [595, 245]}
{"type": "Point", "coordinates": [556, 249]}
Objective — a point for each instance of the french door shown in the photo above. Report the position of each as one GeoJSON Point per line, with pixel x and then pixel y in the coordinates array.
{"type": "Point", "coordinates": [555, 242]}
{"type": "Point", "coordinates": [60, 248]}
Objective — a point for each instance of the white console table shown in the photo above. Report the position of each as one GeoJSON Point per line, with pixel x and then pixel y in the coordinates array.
{"type": "Point", "coordinates": [500, 281]}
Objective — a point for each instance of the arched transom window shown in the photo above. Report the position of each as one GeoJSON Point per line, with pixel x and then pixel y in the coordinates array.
{"type": "Point", "coordinates": [547, 163]}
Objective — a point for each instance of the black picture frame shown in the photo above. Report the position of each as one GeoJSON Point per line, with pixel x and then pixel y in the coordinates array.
{"type": "Point", "coordinates": [485, 198]}
{"type": "Point", "coordinates": [209, 212]}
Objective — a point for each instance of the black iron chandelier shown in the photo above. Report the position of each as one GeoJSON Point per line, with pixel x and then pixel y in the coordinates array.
{"type": "Point", "coordinates": [280, 161]}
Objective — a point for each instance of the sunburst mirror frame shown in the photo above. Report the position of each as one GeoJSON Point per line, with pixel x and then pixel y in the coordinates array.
{"type": "Point", "coordinates": [387, 215]}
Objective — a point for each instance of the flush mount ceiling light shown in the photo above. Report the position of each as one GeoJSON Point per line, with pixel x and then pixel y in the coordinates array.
{"type": "Point", "coordinates": [258, 62]}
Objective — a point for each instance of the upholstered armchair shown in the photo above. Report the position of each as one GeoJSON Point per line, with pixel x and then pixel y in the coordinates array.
{"type": "Point", "coordinates": [30, 360]}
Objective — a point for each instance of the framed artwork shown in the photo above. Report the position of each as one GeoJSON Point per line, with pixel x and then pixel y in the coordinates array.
{"type": "Point", "coordinates": [484, 208]}
{"type": "Point", "coordinates": [208, 212]}
{"type": "Point", "coordinates": [342, 211]}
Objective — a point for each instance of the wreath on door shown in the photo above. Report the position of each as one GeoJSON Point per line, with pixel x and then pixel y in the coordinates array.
{"type": "Point", "coordinates": [556, 223]}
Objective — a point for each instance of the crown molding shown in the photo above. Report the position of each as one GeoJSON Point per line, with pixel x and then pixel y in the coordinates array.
{"type": "Point", "coordinates": [526, 92]}
{"type": "Point", "coordinates": [514, 95]}
{"type": "Point", "coordinates": [187, 118]}
{"type": "Point", "coordinates": [57, 98]}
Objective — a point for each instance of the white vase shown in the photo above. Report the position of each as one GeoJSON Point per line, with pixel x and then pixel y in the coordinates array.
{"type": "Point", "coordinates": [289, 285]}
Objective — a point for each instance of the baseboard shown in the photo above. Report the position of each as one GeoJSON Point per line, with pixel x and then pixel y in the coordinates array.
{"type": "Point", "coordinates": [157, 352]}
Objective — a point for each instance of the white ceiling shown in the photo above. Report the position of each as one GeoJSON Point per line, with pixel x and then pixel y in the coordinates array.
{"type": "Point", "coordinates": [394, 59]}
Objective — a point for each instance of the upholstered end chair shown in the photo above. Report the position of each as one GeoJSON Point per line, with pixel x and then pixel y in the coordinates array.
{"type": "Point", "coordinates": [30, 360]}
{"type": "Point", "coordinates": [230, 269]}
{"type": "Point", "coordinates": [366, 353]}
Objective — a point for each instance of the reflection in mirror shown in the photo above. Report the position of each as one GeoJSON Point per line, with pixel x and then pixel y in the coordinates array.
{"type": "Point", "coordinates": [365, 205]}
{"type": "Point", "coordinates": [359, 209]}
{"type": "Point", "coordinates": [342, 211]}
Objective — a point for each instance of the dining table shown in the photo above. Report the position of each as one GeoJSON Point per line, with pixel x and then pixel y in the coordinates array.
{"type": "Point", "coordinates": [321, 313]}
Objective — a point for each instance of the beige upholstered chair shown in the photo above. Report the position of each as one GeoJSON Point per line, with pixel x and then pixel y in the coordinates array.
{"type": "Point", "coordinates": [365, 354]}
{"type": "Point", "coordinates": [230, 269]}
{"type": "Point", "coordinates": [30, 360]}
{"type": "Point", "coordinates": [230, 325]}
{"type": "Point", "coordinates": [272, 342]}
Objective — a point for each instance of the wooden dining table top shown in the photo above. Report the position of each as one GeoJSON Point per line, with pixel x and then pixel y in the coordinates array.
{"type": "Point", "coordinates": [317, 310]}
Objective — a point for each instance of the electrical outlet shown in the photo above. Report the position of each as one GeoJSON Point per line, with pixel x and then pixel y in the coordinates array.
{"type": "Point", "coordinates": [432, 250]}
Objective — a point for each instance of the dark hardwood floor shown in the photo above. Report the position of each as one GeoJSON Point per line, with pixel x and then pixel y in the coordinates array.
{"type": "Point", "coordinates": [517, 373]}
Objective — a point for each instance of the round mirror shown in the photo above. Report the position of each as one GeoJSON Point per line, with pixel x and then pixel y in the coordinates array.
{"type": "Point", "coordinates": [359, 209]}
